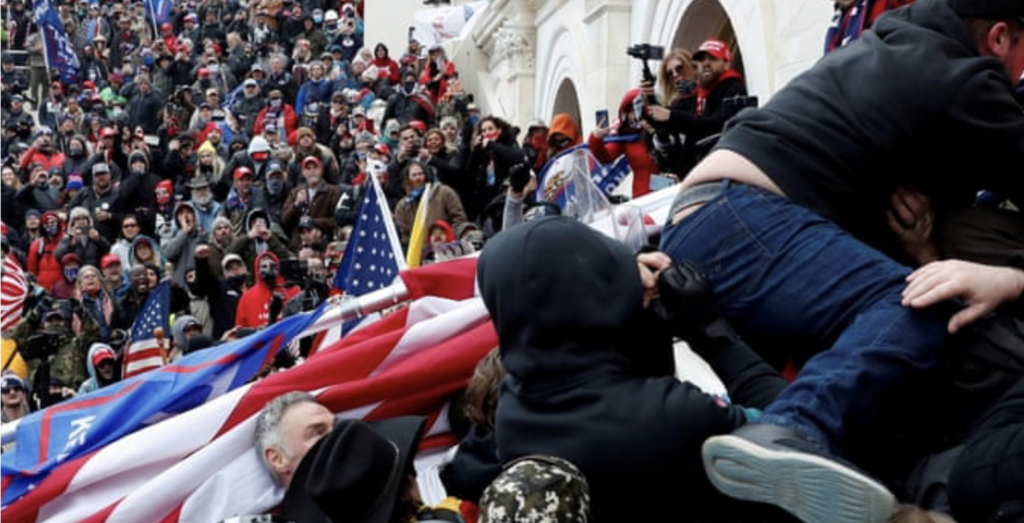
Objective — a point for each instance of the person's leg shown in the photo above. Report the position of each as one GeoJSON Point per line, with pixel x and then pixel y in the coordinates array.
{"type": "Point", "coordinates": [779, 268]}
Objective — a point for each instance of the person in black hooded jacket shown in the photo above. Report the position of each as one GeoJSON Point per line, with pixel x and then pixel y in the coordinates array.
{"type": "Point", "coordinates": [590, 374]}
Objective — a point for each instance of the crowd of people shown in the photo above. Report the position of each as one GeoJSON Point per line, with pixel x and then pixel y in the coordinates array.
{"type": "Point", "coordinates": [834, 256]}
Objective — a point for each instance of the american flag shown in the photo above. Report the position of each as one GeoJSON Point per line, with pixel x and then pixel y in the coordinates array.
{"type": "Point", "coordinates": [143, 352]}
{"type": "Point", "coordinates": [373, 257]}
{"type": "Point", "coordinates": [200, 465]}
{"type": "Point", "coordinates": [13, 290]}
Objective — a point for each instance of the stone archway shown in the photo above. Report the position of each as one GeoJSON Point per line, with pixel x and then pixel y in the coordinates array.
{"type": "Point", "coordinates": [708, 19]}
{"type": "Point", "coordinates": [567, 100]}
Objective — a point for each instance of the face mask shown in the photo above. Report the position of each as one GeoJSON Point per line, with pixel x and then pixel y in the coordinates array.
{"type": "Point", "coordinates": [235, 281]}
{"type": "Point", "coordinates": [269, 274]}
{"type": "Point", "coordinates": [70, 273]}
{"type": "Point", "coordinates": [318, 19]}
{"type": "Point", "coordinates": [76, 151]}
{"type": "Point", "coordinates": [275, 186]}
{"type": "Point", "coordinates": [138, 172]}
{"type": "Point", "coordinates": [163, 197]}
{"type": "Point", "coordinates": [416, 193]}
{"type": "Point", "coordinates": [148, 60]}
{"type": "Point", "coordinates": [275, 102]}
{"type": "Point", "coordinates": [260, 156]}
{"type": "Point", "coordinates": [51, 230]}
{"type": "Point", "coordinates": [408, 86]}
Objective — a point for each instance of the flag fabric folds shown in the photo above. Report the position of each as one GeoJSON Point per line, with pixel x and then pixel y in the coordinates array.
{"type": "Point", "coordinates": [55, 440]}
{"type": "Point", "coordinates": [418, 236]}
{"type": "Point", "coordinates": [60, 52]}
{"type": "Point", "coordinates": [373, 257]}
{"type": "Point", "coordinates": [204, 467]}
{"type": "Point", "coordinates": [145, 350]}
{"type": "Point", "coordinates": [13, 290]}
{"type": "Point", "coordinates": [159, 11]}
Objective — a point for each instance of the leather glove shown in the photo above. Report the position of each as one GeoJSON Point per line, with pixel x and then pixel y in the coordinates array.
{"type": "Point", "coordinates": [687, 303]}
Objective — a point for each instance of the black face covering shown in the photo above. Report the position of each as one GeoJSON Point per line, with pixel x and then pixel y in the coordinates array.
{"type": "Point", "coordinates": [236, 281]}
{"type": "Point", "coordinates": [269, 274]}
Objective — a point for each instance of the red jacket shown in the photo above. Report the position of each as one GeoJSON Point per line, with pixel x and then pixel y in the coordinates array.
{"type": "Point", "coordinates": [254, 306]}
{"type": "Point", "coordinates": [291, 121]}
{"type": "Point", "coordinates": [42, 260]}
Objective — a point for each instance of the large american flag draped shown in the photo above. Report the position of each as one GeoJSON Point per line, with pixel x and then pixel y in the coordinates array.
{"type": "Point", "coordinates": [373, 257]}
{"type": "Point", "coordinates": [53, 444]}
{"type": "Point", "coordinates": [13, 290]}
{"type": "Point", "coordinates": [143, 352]}
{"type": "Point", "coordinates": [200, 466]}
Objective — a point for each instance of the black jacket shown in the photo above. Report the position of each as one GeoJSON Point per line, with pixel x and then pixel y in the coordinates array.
{"type": "Point", "coordinates": [911, 102]}
{"type": "Point", "coordinates": [986, 484]}
{"type": "Point", "coordinates": [590, 377]}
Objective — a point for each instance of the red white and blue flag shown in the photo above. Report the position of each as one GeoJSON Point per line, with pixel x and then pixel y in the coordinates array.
{"type": "Point", "coordinates": [13, 290]}
{"type": "Point", "coordinates": [373, 257]}
{"type": "Point", "coordinates": [53, 441]}
{"type": "Point", "coordinates": [201, 466]}
{"type": "Point", "coordinates": [144, 352]}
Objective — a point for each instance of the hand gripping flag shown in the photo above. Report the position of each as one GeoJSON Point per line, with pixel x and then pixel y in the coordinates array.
{"type": "Point", "coordinates": [201, 466]}
{"type": "Point", "coordinates": [60, 52]}
{"type": "Point", "coordinates": [70, 431]}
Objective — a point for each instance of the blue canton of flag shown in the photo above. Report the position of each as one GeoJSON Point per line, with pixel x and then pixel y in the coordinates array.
{"type": "Point", "coordinates": [60, 53]}
{"type": "Point", "coordinates": [75, 427]}
{"type": "Point", "coordinates": [143, 352]}
{"type": "Point", "coordinates": [374, 255]}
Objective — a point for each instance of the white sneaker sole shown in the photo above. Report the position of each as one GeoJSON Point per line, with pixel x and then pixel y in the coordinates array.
{"type": "Point", "coordinates": [812, 488]}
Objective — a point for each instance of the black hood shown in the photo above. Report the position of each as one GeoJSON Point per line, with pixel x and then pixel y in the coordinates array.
{"type": "Point", "coordinates": [566, 301]}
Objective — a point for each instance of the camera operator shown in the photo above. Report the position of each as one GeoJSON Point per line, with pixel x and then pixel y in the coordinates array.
{"type": "Point", "coordinates": [51, 350]}
{"type": "Point", "coordinates": [717, 81]}
{"type": "Point", "coordinates": [310, 272]}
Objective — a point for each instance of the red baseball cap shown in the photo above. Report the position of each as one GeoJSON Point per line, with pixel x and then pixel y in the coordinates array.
{"type": "Point", "coordinates": [309, 160]}
{"type": "Point", "coordinates": [108, 260]}
{"type": "Point", "coordinates": [102, 354]}
{"type": "Point", "coordinates": [243, 171]}
{"type": "Point", "coordinates": [715, 48]}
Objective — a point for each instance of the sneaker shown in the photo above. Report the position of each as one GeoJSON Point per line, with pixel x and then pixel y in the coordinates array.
{"type": "Point", "coordinates": [776, 465]}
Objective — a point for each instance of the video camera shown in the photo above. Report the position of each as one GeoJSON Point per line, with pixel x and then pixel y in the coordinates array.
{"type": "Point", "coordinates": [294, 270]}
{"type": "Point", "coordinates": [647, 52]}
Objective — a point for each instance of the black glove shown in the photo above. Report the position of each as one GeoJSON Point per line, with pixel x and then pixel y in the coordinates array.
{"type": "Point", "coordinates": [687, 303]}
{"type": "Point", "coordinates": [518, 177]}
{"type": "Point", "coordinates": [75, 307]}
{"type": "Point", "coordinates": [276, 304]}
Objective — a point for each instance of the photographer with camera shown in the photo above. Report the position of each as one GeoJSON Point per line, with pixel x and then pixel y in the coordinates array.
{"type": "Point", "coordinates": [716, 82]}
{"type": "Point", "coordinates": [52, 350]}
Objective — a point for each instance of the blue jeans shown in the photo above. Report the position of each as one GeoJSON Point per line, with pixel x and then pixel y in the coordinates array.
{"type": "Point", "coordinates": [780, 268]}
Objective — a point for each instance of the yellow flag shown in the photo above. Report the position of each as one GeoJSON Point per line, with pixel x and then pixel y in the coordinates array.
{"type": "Point", "coordinates": [414, 256]}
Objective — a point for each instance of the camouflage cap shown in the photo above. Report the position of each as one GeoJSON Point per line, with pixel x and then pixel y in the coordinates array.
{"type": "Point", "coordinates": [539, 489]}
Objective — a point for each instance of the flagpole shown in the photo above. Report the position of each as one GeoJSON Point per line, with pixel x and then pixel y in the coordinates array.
{"type": "Point", "coordinates": [358, 307]}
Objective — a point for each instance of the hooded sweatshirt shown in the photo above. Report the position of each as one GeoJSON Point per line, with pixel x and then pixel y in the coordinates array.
{"type": "Point", "coordinates": [94, 381]}
{"type": "Point", "coordinates": [590, 376]}
{"type": "Point", "coordinates": [42, 259]}
{"type": "Point", "coordinates": [254, 306]}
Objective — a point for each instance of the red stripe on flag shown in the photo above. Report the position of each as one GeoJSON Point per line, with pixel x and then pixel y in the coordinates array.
{"type": "Point", "coordinates": [26, 509]}
{"type": "Point", "coordinates": [454, 279]}
{"type": "Point", "coordinates": [50, 412]}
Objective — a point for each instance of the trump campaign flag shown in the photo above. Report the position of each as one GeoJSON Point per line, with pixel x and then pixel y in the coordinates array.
{"type": "Point", "coordinates": [159, 11]}
{"type": "Point", "coordinates": [200, 466]}
{"type": "Point", "coordinates": [76, 427]}
{"type": "Point", "coordinates": [60, 52]}
{"type": "Point", "coordinates": [145, 350]}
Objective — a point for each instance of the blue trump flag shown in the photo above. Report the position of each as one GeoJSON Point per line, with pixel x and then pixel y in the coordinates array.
{"type": "Point", "coordinates": [80, 425]}
{"type": "Point", "coordinates": [60, 52]}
